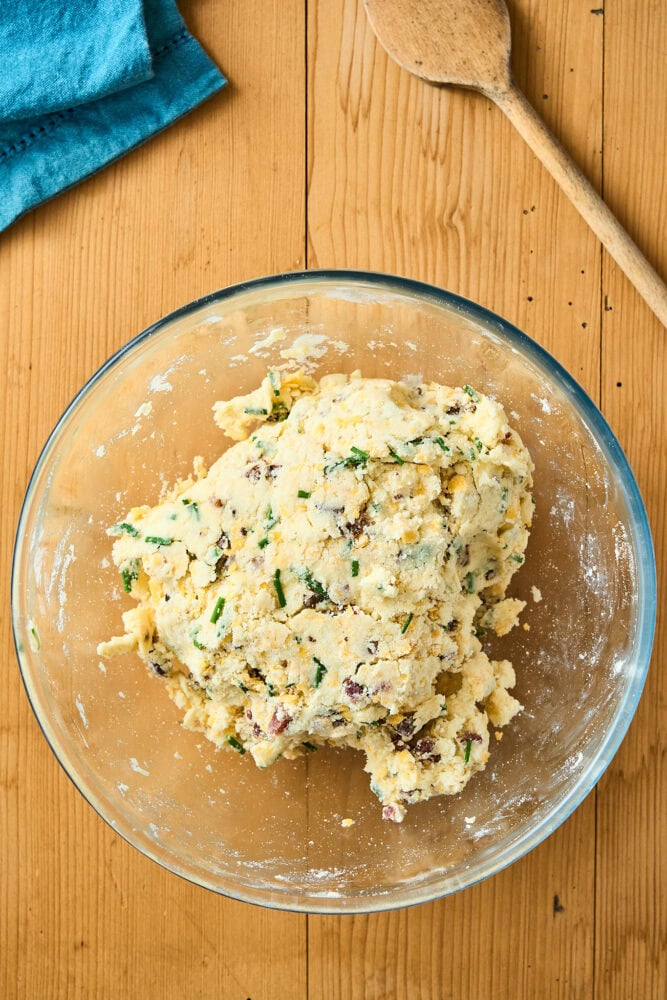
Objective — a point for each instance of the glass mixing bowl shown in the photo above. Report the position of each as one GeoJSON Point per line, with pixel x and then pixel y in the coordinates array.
{"type": "Point", "coordinates": [275, 836]}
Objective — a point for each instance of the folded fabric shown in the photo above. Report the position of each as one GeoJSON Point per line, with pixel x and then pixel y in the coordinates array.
{"type": "Point", "coordinates": [82, 83]}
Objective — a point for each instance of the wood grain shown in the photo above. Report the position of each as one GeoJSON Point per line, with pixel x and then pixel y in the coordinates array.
{"type": "Point", "coordinates": [410, 178]}
{"type": "Point", "coordinates": [323, 152]}
{"type": "Point", "coordinates": [200, 206]}
{"type": "Point", "coordinates": [631, 898]}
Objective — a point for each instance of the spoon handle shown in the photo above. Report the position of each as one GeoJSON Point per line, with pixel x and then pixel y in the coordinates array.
{"type": "Point", "coordinates": [585, 198]}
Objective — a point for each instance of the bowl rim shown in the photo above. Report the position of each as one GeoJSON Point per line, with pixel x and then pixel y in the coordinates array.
{"type": "Point", "coordinates": [638, 523]}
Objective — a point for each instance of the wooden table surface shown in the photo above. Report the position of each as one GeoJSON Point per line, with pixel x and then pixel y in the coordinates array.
{"type": "Point", "coordinates": [322, 153]}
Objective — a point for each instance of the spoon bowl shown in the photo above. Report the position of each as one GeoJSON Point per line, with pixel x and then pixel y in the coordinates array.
{"type": "Point", "coordinates": [467, 43]}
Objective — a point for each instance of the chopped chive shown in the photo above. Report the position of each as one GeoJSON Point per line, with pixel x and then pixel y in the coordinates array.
{"type": "Point", "coordinates": [443, 706]}
{"type": "Point", "coordinates": [406, 624]}
{"type": "Point", "coordinates": [480, 633]}
{"type": "Point", "coordinates": [478, 444]}
{"type": "Point", "coordinates": [469, 581]}
{"type": "Point", "coordinates": [504, 499]}
{"type": "Point", "coordinates": [279, 589]}
{"type": "Point", "coordinates": [416, 440]}
{"type": "Point", "coordinates": [193, 505]}
{"type": "Point", "coordinates": [314, 585]}
{"type": "Point", "coordinates": [256, 411]}
{"type": "Point", "coordinates": [262, 543]}
{"type": "Point", "coordinates": [217, 610]}
{"type": "Point", "coordinates": [34, 635]}
{"type": "Point", "coordinates": [471, 392]}
{"type": "Point", "coordinates": [319, 673]}
{"type": "Point", "coordinates": [358, 457]}
{"type": "Point", "coordinates": [197, 644]}
{"type": "Point", "coordinates": [355, 568]}
{"type": "Point", "coordinates": [310, 746]}
{"type": "Point", "coordinates": [233, 742]}
{"type": "Point", "coordinates": [271, 690]}
{"type": "Point", "coordinates": [129, 573]}
{"type": "Point", "coordinates": [157, 540]}
{"type": "Point", "coordinates": [128, 529]}
{"type": "Point", "coordinates": [517, 559]}
{"type": "Point", "coordinates": [303, 494]}
{"type": "Point", "coordinates": [271, 519]}
{"type": "Point", "coordinates": [467, 753]}
{"type": "Point", "coordinates": [395, 456]}
{"type": "Point", "coordinates": [289, 686]}
{"type": "Point", "coordinates": [243, 687]}
{"type": "Point", "coordinates": [441, 444]}
{"type": "Point", "coordinates": [279, 412]}
{"type": "Point", "coordinates": [473, 454]}
{"type": "Point", "coordinates": [275, 383]}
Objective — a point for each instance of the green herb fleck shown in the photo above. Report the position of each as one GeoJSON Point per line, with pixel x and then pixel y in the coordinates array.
{"type": "Point", "coordinates": [473, 454]}
{"type": "Point", "coordinates": [274, 379]}
{"type": "Point", "coordinates": [314, 585]}
{"type": "Point", "coordinates": [35, 644]}
{"type": "Point", "coordinates": [416, 440]}
{"type": "Point", "coordinates": [319, 673]}
{"type": "Point", "coordinates": [480, 633]}
{"type": "Point", "coordinates": [243, 687]}
{"type": "Point", "coordinates": [469, 581]}
{"type": "Point", "coordinates": [471, 392]}
{"type": "Point", "coordinates": [157, 540]}
{"type": "Point", "coordinates": [441, 444]}
{"type": "Point", "coordinates": [129, 572]}
{"type": "Point", "coordinates": [197, 644]}
{"type": "Point", "coordinates": [256, 411]}
{"type": "Point", "coordinates": [279, 589]}
{"type": "Point", "coordinates": [395, 456]}
{"type": "Point", "coordinates": [478, 444]}
{"type": "Point", "coordinates": [355, 568]}
{"type": "Point", "coordinates": [504, 498]}
{"type": "Point", "coordinates": [406, 623]}
{"type": "Point", "coordinates": [271, 690]}
{"type": "Point", "coordinates": [517, 559]}
{"type": "Point", "coordinates": [467, 753]}
{"type": "Point", "coordinates": [310, 746]}
{"type": "Point", "coordinates": [358, 457]}
{"type": "Point", "coordinates": [443, 706]}
{"type": "Point", "coordinates": [124, 528]}
{"type": "Point", "coordinates": [217, 610]}
{"type": "Point", "coordinates": [193, 505]}
{"type": "Point", "coordinates": [271, 519]}
{"type": "Point", "coordinates": [303, 494]}
{"type": "Point", "coordinates": [233, 742]}
{"type": "Point", "coordinates": [279, 412]}
{"type": "Point", "coordinates": [262, 543]}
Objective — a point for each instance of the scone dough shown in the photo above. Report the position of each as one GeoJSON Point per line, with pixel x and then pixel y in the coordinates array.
{"type": "Point", "coordinates": [328, 580]}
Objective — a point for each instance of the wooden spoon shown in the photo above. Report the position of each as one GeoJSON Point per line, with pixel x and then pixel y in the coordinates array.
{"type": "Point", "coordinates": [467, 43]}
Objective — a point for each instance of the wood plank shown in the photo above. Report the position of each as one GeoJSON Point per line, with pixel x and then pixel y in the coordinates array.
{"type": "Point", "coordinates": [423, 182]}
{"type": "Point", "coordinates": [201, 206]}
{"type": "Point", "coordinates": [631, 958]}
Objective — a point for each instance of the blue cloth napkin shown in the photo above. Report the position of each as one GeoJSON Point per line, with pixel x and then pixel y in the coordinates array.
{"type": "Point", "coordinates": [84, 81]}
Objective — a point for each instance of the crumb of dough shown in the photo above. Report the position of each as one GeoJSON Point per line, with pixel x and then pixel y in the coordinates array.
{"type": "Point", "coordinates": [498, 735]}
{"type": "Point", "coordinates": [537, 594]}
{"type": "Point", "coordinates": [327, 581]}
{"type": "Point", "coordinates": [347, 822]}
